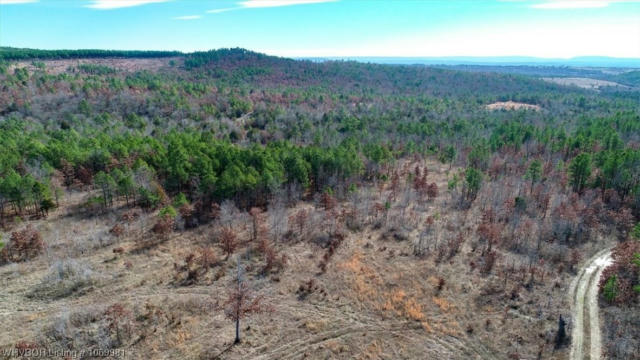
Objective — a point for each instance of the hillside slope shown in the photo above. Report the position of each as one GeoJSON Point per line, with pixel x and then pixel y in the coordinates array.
{"type": "Point", "coordinates": [370, 211]}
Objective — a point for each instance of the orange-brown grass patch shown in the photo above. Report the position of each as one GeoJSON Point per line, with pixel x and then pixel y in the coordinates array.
{"type": "Point", "coordinates": [373, 350]}
{"type": "Point", "coordinates": [451, 328]}
{"type": "Point", "coordinates": [443, 304]}
{"type": "Point", "coordinates": [399, 303]}
{"type": "Point", "coordinates": [363, 277]}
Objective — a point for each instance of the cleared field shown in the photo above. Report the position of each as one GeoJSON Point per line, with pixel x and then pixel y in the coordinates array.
{"type": "Point", "coordinates": [512, 105]}
{"type": "Point", "coordinates": [585, 83]}
{"type": "Point", "coordinates": [374, 300]}
{"type": "Point", "coordinates": [127, 65]}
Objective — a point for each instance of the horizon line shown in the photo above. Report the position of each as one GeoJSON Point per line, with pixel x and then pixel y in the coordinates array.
{"type": "Point", "coordinates": [330, 57]}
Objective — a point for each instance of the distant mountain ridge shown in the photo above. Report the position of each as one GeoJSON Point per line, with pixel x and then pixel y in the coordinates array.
{"type": "Point", "coordinates": [595, 61]}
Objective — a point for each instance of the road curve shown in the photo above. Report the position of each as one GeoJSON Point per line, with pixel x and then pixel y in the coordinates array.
{"type": "Point", "coordinates": [586, 341]}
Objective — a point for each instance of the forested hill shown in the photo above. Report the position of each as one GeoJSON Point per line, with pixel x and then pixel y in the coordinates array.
{"type": "Point", "coordinates": [11, 53]}
{"type": "Point", "coordinates": [243, 66]}
{"type": "Point", "coordinates": [234, 124]}
{"type": "Point", "coordinates": [240, 65]}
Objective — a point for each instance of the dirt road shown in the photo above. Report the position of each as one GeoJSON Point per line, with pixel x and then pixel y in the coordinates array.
{"type": "Point", "coordinates": [584, 292]}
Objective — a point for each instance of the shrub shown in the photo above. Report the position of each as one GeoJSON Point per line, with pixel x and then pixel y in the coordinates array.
{"type": "Point", "coordinates": [490, 258]}
{"type": "Point", "coordinates": [454, 245]}
{"type": "Point", "coordinates": [187, 212]}
{"type": "Point", "coordinates": [334, 242]}
{"type": "Point", "coordinates": [306, 288]}
{"type": "Point", "coordinates": [148, 198]}
{"type": "Point", "coordinates": [228, 240]}
{"type": "Point", "coordinates": [327, 200]}
{"type": "Point", "coordinates": [195, 266]}
{"type": "Point", "coordinates": [64, 278]}
{"type": "Point", "coordinates": [273, 261]}
{"type": "Point", "coordinates": [119, 324]}
{"type": "Point", "coordinates": [129, 216]}
{"type": "Point", "coordinates": [117, 230]}
{"type": "Point", "coordinates": [180, 200]}
{"type": "Point", "coordinates": [432, 191]}
{"type": "Point", "coordinates": [620, 281]}
{"type": "Point", "coordinates": [163, 226]}
{"type": "Point", "coordinates": [635, 233]}
{"type": "Point", "coordinates": [609, 290]}
{"type": "Point", "coordinates": [93, 205]}
{"type": "Point", "coordinates": [24, 245]}
{"type": "Point", "coordinates": [168, 211]}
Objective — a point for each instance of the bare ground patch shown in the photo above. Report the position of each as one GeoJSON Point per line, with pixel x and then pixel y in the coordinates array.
{"type": "Point", "coordinates": [512, 105]}
{"type": "Point", "coordinates": [122, 64]}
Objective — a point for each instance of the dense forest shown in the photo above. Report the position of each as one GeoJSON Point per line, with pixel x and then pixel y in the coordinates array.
{"type": "Point", "coordinates": [234, 125]}
{"type": "Point", "coordinates": [10, 53]}
{"type": "Point", "coordinates": [624, 76]}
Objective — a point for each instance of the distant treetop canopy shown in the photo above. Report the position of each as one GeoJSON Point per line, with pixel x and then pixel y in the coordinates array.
{"type": "Point", "coordinates": [10, 53]}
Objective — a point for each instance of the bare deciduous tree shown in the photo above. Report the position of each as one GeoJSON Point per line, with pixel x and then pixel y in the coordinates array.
{"type": "Point", "coordinates": [242, 302]}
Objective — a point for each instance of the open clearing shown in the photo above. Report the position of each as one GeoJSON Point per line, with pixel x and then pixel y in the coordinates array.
{"type": "Point", "coordinates": [127, 65]}
{"type": "Point", "coordinates": [374, 301]}
{"type": "Point", "coordinates": [512, 105]}
{"type": "Point", "coordinates": [585, 83]}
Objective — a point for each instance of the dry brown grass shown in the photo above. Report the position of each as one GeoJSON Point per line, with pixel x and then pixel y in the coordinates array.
{"type": "Point", "coordinates": [512, 105]}
{"type": "Point", "coordinates": [126, 65]}
{"type": "Point", "coordinates": [375, 299]}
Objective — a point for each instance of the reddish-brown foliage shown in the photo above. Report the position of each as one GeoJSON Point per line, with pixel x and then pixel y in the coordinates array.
{"type": "Point", "coordinates": [328, 201]}
{"type": "Point", "coordinates": [626, 269]}
{"type": "Point", "coordinates": [130, 216]}
{"type": "Point", "coordinates": [187, 212]}
{"type": "Point", "coordinates": [420, 181]}
{"type": "Point", "coordinates": [24, 245]}
{"type": "Point", "coordinates": [273, 260]}
{"type": "Point", "coordinates": [68, 172]}
{"type": "Point", "coordinates": [489, 232]}
{"type": "Point", "coordinates": [432, 191]}
{"type": "Point", "coordinates": [117, 230]}
{"type": "Point", "coordinates": [258, 227]}
{"type": "Point", "coordinates": [574, 258]}
{"type": "Point", "coordinates": [84, 175]}
{"type": "Point", "coordinates": [22, 347]}
{"type": "Point", "coordinates": [119, 322]}
{"type": "Point", "coordinates": [299, 220]}
{"type": "Point", "coordinates": [489, 260]}
{"type": "Point", "coordinates": [195, 266]}
{"type": "Point", "coordinates": [208, 258]}
{"type": "Point", "coordinates": [163, 226]}
{"type": "Point", "coordinates": [333, 244]}
{"type": "Point", "coordinates": [228, 240]}
{"type": "Point", "coordinates": [242, 302]}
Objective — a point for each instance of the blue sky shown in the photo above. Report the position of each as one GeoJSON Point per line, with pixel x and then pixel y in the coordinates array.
{"type": "Point", "coordinates": [542, 28]}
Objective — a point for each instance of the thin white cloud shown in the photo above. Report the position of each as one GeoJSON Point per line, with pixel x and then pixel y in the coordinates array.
{"type": "Point", "coordinates": [277, 3]}
{"type": "Point", "coordinates": [13, 2]}
{"type": "Point", "coordinates": [218, 11]}
{"type": "Point", "coordinates": [188, 17]}
{"type": "Point", "coordinates": [576, 4]}
{"type": "Point", "coordinates": [116, 4]}
{"type": "Point", "coordinates": [254, 4]}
